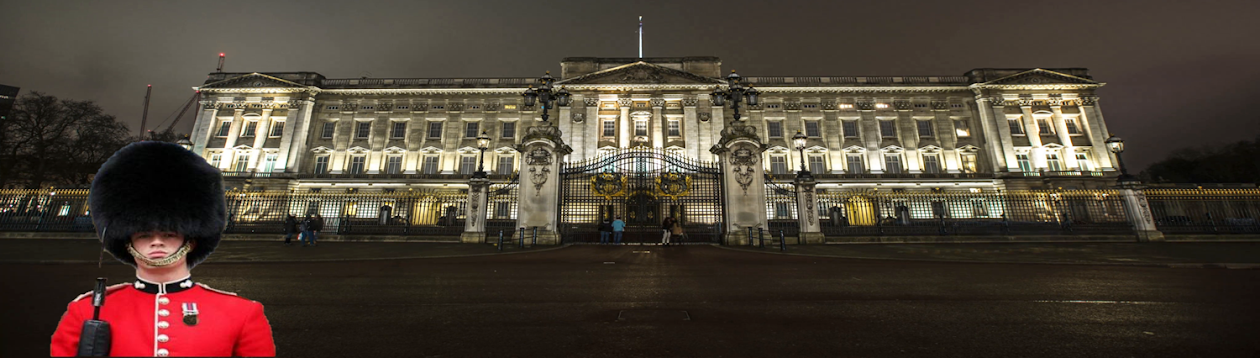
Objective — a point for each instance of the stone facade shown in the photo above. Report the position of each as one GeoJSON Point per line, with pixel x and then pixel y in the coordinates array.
{"type": "Point", "coordinates": [984, 130]}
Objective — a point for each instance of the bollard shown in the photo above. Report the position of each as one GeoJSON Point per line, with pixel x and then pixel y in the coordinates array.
{"type": "Point", "coordinates": [750, 242]}
{"type": "Point", "coordinates": [535, 242]}
{"type": "Point", "coordinates": [520, 243]}
{"type": "Point", "coordinates": [782, 242]}
{"type": "Point", "coordinates": [761, 238]}
{"type": "Point", "coordinates": [500, 240]}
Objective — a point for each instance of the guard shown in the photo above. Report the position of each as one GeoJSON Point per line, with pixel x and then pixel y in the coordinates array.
{"type": "Point", "coordinates": [161, 209]}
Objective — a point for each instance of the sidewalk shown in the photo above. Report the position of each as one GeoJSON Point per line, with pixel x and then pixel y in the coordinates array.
{"type": "Point", "coordinates": [1166, 254]}
{"type": "Point", "coordinates": [88, 250]}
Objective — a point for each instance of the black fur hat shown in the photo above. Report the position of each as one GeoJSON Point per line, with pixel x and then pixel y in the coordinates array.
{"type": "Point", "coordinates": [149, 186]}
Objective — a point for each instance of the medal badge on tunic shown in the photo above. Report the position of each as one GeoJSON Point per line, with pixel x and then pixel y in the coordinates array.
{"type": "Point", "coordinates": [190, 314]}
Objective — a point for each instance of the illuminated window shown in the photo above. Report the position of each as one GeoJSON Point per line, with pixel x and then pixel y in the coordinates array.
{"type": "Point", "coordinates": [675, 129]}
{"type": "Point", "coordinates": [242, 162]}
{"type": "Point", "coordinates": [610, 128]}
{"type": "Point", "coordinates": [216, 159]}
{"type": "Point", "coordinates": [961, 129]}
{"type": "Point", "coordinates": [1053, 163]}
{"type": "Point", "coordinates": [269, 162]}
{"type": "Point", "coordinates": [640, 128]}
{"type": "Point", "coordinates": [968, 162]}
{"type": "Point", "coordinates": [1082, 161]}
{"type": "Point", "coordinates": [881, 105]}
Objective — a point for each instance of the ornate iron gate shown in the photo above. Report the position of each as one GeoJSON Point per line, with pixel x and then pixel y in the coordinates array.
{"type": "Point", "coordinates": [642, 186]}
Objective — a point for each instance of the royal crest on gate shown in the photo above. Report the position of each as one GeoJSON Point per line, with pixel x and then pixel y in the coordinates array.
{"type": "Point", "coordinates": [609, 185]}
{"type": "Point", "coordinates": [673, 185]}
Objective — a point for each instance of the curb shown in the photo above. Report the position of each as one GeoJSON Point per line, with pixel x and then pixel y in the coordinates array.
{"type": "Point", "coordinates": [1235, 266]}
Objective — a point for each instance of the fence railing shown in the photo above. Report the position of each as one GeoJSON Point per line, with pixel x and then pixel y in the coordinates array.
{"type": "Point", "coordinates": [1205, 211]}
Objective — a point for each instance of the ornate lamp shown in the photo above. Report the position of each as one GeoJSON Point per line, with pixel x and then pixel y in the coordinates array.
{"type": "Point", "coordinates": [184, 142]}
{"type": "Point", "coordinates": [546, 95]}
{"type": "Point", "coordinates": [1116, 145]}
{"type": "Point", "coordinates": [735, 93]}
{"type": "Point", "coordinates": [483, 143]}
{"type": "Point", "coordinates": [799, 141]}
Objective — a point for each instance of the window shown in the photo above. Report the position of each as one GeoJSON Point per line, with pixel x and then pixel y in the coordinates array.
{"type": "Point", "coordinates": [775, 128]}
{"type": "Point", "coordinates": [216, 159]}
{"type": "Point", "coordinates": [269, 162]}
{"type": "Point", "coordinates": [430, 165]}
{"type": "Point", "coordinates": [925, 128]}
{"type": "Point", "coordinates": [1024, 164]}
{"type": "Point", "coordinates": [1072, 128]}
{"type": "Point", "coordinates": [931, 164]}
{"type": "Point", "coordinates": [961, 129]}
{"type": "Point", "coordinates": [277, 129]}
{"type": "Point", "coordinates": [1082, 161]}
{"type": "Point", "coordinates": [321, 164]}
{"type": "Point", "coordinates": [850, 129]}
{"type": "Point", "coordinates": [224, 129]}
{"type": "Point", "coordinates": [887, 129]}
{"type": "Point", "coordinates": [509, 129]}
{"type": "Point", "coordinates": [242, 162]}
{"type": "Point", "coordinates": [467, 164]}
{"type": "Point", "coordinates": [398, 130]}
{"type": "Point", "coordinates": [778, 164]}
{"type": "Point", "coordinates": [812, 130]}
{"type": "Point", "coordinates": [675, 129]}
{"type": "Point", "coordinates": [502, 210]}
{"type": "Point", "coordinates": [356, 164]}
{"type": "Point", "coordinates": [328, 129]}
{"type": "Point", "coordinates": [435, 129]}
{"type": "Point", "coordinates": [1053, 163]}
{"type": "Point", "coordinates": [968, 162]}
{"type": "Point", "coordinates": [1043, 127]}
{"type": "Point", "coordinates": [365, 128]}
{"type": "Point", "coordinates": [250, 128]}
{"type": "Point", "coordinates": [610, 128]}
{"type": "Point", "coordinates": [893, 163]}
{"type": "Point", "coordinates": [1017, 128]}
{"type": "Point", "coordinates": [855, 163]}
{"type": "Point", "coordinates": [816, 164]}
{"type": "Point", "coordinates": [505, 165]}
{"type": "Point", "coordinates": [393, 165]}
{"type": "Point", "coordinates": [782, 211]}
{"type": "Point", "coordinates": [472, 129]}
{"type": "Point", "coordinates": [640, 128]}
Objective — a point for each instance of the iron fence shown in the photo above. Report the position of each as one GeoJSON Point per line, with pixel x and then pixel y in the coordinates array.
{"type": "Point", "coordinates": [882, 213]}
{"type": "Point", "coordinates": [1205, 211]}
{"type": "Point", "coordinates": [781, 208]}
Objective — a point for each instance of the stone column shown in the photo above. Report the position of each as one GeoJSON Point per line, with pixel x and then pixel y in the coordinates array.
{"type": "Point", "coordinates": [740, 150]}
{"type": "Point", "coordinates": [1038, 154]}
{"type": "Point", "coordinates": [1060, 126]}
{"type": "Point", "coordinates": [539, 195]}
{"type": "Point", "coordinates": [624, 123]}
{"type": "Point", "coordinates": [1091, 120]}
{"type": "Point", "coordinates": [204, 125]}
{"type": "Point", "coordinates": [658, 128]}
{"type": "Point", "coordinates": [594, 128]}
{"type": "Point", "coordinates": [475, 217]}
{"type": "Point", "coordinates": [1139, 212]}
{"type": "Point", "coordinates": [691, 127]}
{"type": "Point", "coordinates": [234, 133]}
{"type": "Point", "coordinates": [998, 132]}
{"type": "Point", "coordinates": [260, 139]}
{"type": "Point", "coordinates": [807, 212]}
{"type": "Point", "coordinates": [296, 129]}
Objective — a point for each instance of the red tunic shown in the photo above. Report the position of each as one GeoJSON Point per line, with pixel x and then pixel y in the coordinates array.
{"type": "Point", "coordinates": [153, 323]}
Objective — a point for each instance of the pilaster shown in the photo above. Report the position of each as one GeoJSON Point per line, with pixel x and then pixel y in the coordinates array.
{"type": "Point", "coordinates": [539, 194]}
{"type": "Point", "coordinates": [1139, 212]}
{"type": "Point", "coordinates": [201, 129]}
{"type": "Point", "coordinates": [740, 150]}
{"type": "Point", "coordinates": [658, 128]}
{"type": "Point", "coordinates": [807, 211]}
{"type": "Point", "coordinates": [475, 218]}
{"type": "Point", "coordinates": [1060, 126]}
{"type": "Point", "coordinates": [624, 123]}
{"type": "Point", "coordinates": [296, 130]}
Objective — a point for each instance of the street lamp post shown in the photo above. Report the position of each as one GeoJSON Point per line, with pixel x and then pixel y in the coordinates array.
{"type": "Point", "coordinates": [483, 143]}
{"type": "Point", "coordinates": [1116, 145]}
{"type": "Point", "coordinates": [735, 93]}
{"type": "Point", "coordinates": [546, 95]}
{"type": "Point", "coordinates": [799, 141]}
{"type": "Point", "coordinates": [184, 142]}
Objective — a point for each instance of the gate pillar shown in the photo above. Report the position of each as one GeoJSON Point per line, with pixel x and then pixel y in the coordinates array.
{"type": "Point", "coordinates": [807, 211]}
{"type": "Point", "coordinates": [539, 195]}
{"type": "Point", "coordinates": [1139, 213]}
{"type": "Point", "coordinates": [739, 150]}
{"type": "Point", "coordinates": [475, 222]}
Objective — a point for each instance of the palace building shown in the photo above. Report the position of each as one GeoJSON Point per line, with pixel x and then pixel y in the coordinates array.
{"type": "Point", "coordinates": [987, 129]}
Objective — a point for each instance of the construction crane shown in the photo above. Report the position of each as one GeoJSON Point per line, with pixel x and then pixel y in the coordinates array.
{"type": "Point", "coordinates": [174, 119]}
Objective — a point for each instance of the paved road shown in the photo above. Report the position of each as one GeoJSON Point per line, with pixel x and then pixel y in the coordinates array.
{"type": "Point", "coordinates": [566, 303]}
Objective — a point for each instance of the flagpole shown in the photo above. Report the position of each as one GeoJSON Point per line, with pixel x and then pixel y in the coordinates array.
{"type": "Point", "coordinates": [640, 36]}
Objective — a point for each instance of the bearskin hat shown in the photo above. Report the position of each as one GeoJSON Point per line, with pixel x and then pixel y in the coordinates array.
{"type": "Point", "coordinates": [148, 186]}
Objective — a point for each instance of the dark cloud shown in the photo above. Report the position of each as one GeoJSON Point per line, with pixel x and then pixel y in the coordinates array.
{"type": "Point", "coordinates": [1179, 73]}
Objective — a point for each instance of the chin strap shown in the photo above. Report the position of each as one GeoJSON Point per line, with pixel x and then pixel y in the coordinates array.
{"type": "Point", "coordinates": [170, 259]}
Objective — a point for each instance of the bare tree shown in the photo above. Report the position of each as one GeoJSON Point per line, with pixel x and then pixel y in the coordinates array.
{"type": "Point", "coordinates": [58, 142]}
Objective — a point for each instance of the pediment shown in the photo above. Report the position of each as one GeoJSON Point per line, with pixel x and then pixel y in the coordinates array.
{"type": "Point", "coordinates": [1040, 77]}
{"type": "Point", "coordinates": [641, 73]}
{"type": "Point", "coordinates": [253, 80]}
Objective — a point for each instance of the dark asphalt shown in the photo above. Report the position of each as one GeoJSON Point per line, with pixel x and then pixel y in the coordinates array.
{"type": "Point", "coordinates": [567, 302]}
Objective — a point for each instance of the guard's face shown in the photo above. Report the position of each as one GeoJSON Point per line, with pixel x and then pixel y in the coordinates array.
{"type": "Point", "coordinates": [156, 245]}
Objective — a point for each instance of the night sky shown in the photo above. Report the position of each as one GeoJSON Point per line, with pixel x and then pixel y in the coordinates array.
{"type": "Point", "coordinates": [1178, 73]}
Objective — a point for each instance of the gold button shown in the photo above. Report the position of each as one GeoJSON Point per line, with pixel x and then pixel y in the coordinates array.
{"type": "Point", "coordinates": [164, 313]}
{"type": "Point", "coordinates": [164, 300]}
{"type": "Point", "coordinates": [162, 338]}
{"type": "Point", "coordinates": [163, 324]}
{"type": "Point", "coordinates": [163, 352]}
